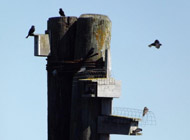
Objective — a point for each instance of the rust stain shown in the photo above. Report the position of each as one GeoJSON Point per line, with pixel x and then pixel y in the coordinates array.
{"type": "Point", "coordinates": [100, 37]}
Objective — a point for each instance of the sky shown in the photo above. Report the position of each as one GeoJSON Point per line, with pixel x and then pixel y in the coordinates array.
{"type": "Point", "coordinates": [156, 78]}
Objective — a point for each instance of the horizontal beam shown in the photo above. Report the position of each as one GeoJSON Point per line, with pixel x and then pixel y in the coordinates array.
{"type": "Point", "coordinates": [116, 125]}
{"type": "Point", "coordinates": [101, 87]}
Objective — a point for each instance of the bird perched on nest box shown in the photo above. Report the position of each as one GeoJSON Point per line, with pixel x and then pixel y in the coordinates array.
{"type": "Point", "coordinates": [31, 31]}
{"type": "Point", "coordinates": [61, 12]}
{"type": "Point", "coordinates": [155, 44]}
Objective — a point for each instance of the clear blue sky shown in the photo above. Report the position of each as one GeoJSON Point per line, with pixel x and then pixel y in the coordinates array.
{"type": "Point", "coordinates": [158, 79]}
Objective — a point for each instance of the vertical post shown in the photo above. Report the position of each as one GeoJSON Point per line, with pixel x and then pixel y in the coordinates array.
{"type": "Point", "coordinates": [106, 110]}
{"type": "Point", "coordinates": [93, 31]}
{"type": "Point", "coordinates": [70, 115]}
{"type": "Point", "coordinates": [61, 32]}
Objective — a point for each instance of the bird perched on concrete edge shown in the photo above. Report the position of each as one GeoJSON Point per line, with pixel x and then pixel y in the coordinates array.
{"type": "Point", "coordinates": [137, 130]}
{"type": "Point", "coordinates": [61, 12]}
{"type": "Point", "coordinates": [31, 31]}
{"type": "Point", "coordinates": [145, 110]}
{"type": "Point", "coordinates": [156, 44]}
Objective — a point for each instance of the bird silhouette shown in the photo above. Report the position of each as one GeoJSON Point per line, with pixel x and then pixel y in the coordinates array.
{"type": "Point", "coordinates": [61, 12]}
{"type": "Point", "coordinates": [137, 130]}
{"type": "Point", "coordinates": [155, 44]}
{"type": "Point", "coordinates": [31, 31]}
{"type": "Point", "coordinates": [145, 110]}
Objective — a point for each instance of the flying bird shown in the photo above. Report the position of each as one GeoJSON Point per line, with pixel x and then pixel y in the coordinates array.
{"type": "Point", "coordinates": [31, 31]}
{"type": "Point", "coordinates": [145, 110]}
{"type": "Point", "coordinates": [61, 12]}
{"type": "Point", "coordinates": [155, 44]}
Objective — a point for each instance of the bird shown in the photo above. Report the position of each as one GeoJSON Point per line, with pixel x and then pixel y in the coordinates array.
{"type": "Point", "coordinates": [155, 44]}
{"type": "Point", "coordinates": [137, 130]}
{"type": "Point", "coordinates": [61, 12]}
{"type": "Point", "coordinates": [145, 110]}
{"type": "Point", "coordinates": [31, 31]}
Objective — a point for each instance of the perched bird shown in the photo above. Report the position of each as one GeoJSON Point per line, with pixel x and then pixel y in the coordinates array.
{"type": "Point", "coordinates": [137, 130]}
{"type": "Point", "coordinates": [156, 44]}
{"type": "Point", "coordinates": [145, 110]}
{"type": "Point", "coordinates": [61, 12]}
{"type": "Point", "coordinates": [31, 31]}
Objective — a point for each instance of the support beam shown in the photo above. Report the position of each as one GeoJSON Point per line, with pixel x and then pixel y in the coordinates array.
{"type": "Point", "coordinates": [93, 31]}
{"type": "Point", "coordinates": [116, 125]}
{"type": "Point", "coordinates": [61, 32]}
